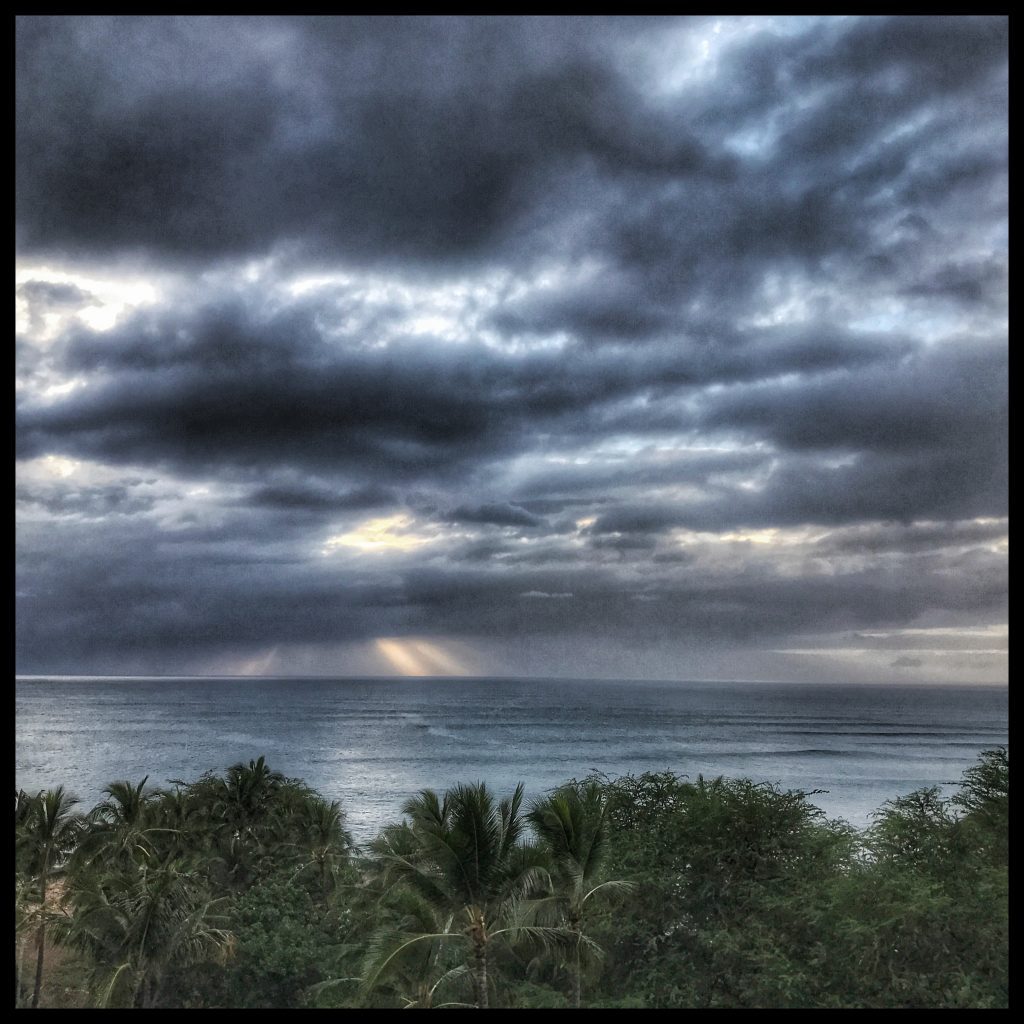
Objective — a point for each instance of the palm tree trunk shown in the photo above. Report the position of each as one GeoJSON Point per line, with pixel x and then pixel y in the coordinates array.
{"type": "Point", "coordinates": [576, 924]}
{"type": "Point", "coordinates": [480, 974]}
{"type": "Point", "coordinates": [139, 992]}
{"type": "Point", "coordinates": [576, 980]}
{"type": "Point", "coordinates": [42, 938]}
{"type": "Point", "coordinates": [19, 963]}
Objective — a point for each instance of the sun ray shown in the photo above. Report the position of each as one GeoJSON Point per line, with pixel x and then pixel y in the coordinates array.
{"type": "Point", "coordinates": [437, 657]}
{"type": "Point", "coordinates": [399, 657]}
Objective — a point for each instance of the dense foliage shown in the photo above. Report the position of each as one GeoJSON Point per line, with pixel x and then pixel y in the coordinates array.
{"type": "Point", "coordinates": [245, 889]}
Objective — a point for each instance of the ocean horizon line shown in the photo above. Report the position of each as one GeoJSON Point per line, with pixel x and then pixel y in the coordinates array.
{"type": "Point", "coordinates": [28, 677]}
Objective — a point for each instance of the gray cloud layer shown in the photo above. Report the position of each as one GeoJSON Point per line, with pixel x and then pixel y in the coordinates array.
{"type": "Point", "coordinates": [454, 311]}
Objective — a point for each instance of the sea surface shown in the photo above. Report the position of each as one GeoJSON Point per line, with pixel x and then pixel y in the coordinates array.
{"type": "Point", "coordinates": [373, 743]}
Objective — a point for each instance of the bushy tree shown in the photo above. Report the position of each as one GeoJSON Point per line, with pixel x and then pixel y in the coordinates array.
{"type": "Point", "coordinates": [245, 890]}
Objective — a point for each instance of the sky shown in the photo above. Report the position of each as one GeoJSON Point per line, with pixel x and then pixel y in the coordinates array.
{"type": "Point", "coordinates": [628, 348]}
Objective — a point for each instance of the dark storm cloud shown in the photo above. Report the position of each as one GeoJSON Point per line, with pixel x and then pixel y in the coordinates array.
{"type": "Point", "coordinates": [239, 393]}
{"type": "Point", "coordinates": [874, 539]}
{"type": "Point", "coordinates": [42, 298]}
{"type": "Point", "coordinates": [638, 519]}
{"type": "Point", "coordinates": [905, 662]}
{"type": "Point", "coordinates": [923, 438]}
{"type": "Point", "coordinates": [174, 601]}
{"type": "Point", "coordinates": [229, 385]}
{"type": "Point", "coordinates": [53, 295]}
{"type": "Point", "coordinates": [672, 557]}
{"type": "Point", "coordinates": [943, 398]}
{"type": "Point", "coordinates": [223, 149]}
{"type": "Point", "coordinates": [29, 359]}
{"type": "Point", "coordinates": [764, 290]}
{"type": "Point", "coordinates": [114, 572]}
{"type": "Point", "coordinates": [496, 514]}
{"type": "Point", "coordinates": [542, 555]}
{"type": "Point", "coordinates": [317, 499]}
{"type": "Point", "coordinates": [855, 82]}
{"type": "Point", "coordinates": [226, 153]}
{"type": "Point", "coordinates": [88, 502]}
{"type": "Point", "coordinates": [695, 607]}
{"type": "Point", "coordinates": [972, 282]}
{"type": "Point", "coordinates": [948, 484]}
{"type": "Point", "coordinates": [551, 506]}
{"type": "Point", "coordinates": [622, 544]}
{"type": "Point", "coordinates": [845, 128]}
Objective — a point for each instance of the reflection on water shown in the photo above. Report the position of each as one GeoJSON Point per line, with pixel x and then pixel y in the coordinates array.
{"type": "Point", "coordinates": [373, 743]}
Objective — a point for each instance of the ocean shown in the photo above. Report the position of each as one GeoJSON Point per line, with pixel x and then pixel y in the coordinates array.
{"type": "Point", "coordinates": [371, 743]}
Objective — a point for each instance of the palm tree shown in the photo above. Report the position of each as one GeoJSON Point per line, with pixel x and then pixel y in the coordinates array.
{"type": "Point", "coordinates": [464, 855]}
{"type": "Point", "coordinates": [248, 790]}
{"type": "Point", "coordinates": [177, 815]}
{"type": "Point", "coordinates": [318, 829]}
{"type": "Point", "coordinates": [572, 824]}
{"type": "Point", "coordinates": [48, 832]}
{"type": "Point", "coordinates": [422, 968]}
{"type": "Point", "coordinates": [121, 826]}
{"type": "Point", "coordinates": [137, 924]}
{"type": "Point", "coordinates": [243, 810]}
{"type": "Point", "coordinates": [24, 809]}
{"type": "Point", "coordinates": [231, 817]}
{"type": "Point", "coordinates": [24, 918]}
